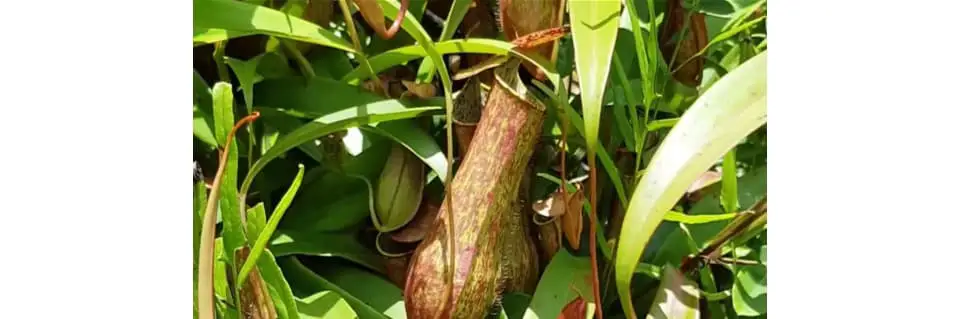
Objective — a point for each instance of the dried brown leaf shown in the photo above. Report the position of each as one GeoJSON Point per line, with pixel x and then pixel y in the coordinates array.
{"type": "Point", "coordinates": [572, 221]}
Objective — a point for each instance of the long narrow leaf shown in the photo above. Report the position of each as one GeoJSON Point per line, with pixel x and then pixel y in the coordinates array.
{"type": "Point", "coordinates": [401, 55]}
{"type": "Point", "coordinates": [336, 121]}
{"type": "Point", "coordinates": [218, 20]}
{"type": "Point", "coordinates": [267, 233]}
{"type": "Point", "coordinates": [725, 114]}
{"type": "Point", "coordinates": [233, 232]}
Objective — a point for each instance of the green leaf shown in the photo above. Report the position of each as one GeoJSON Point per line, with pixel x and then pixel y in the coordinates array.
{"type": "Point", "coordinates": [219, 20]}
{"type": "Point", "coordinates": [220, 286]}
{"type": "Point", "coordinates": [725, 114]}
{"type": "Point", "coordinates": [458, 9]}
{"type": "Point", "coordinates": [412, 26]}
{"type": "Point", "coordinates": [333, 122]}
{"type": "Point", "coordinates": [515, 304]}
{"type": "Point", "coordinates": [612, 171]}
{"type": "Point", "coordinates": [750, 291]}
{"type": "Point", "coordinates": [275, 217]}
{"type": "Point", "coordinates": [415, 139]}
{"type": "Point", "coordinates": [202, 108]}
{"type": "Point", "coordinates": [342, 244]}
{"type": "Point", "coordinates": [325, 305]}
{"type": "Point", "coordinates": [673, 216]}
{"type": "Point", "coordinates": [677, 297]}
{"type": "Point", "coordinates": [554, 291]}
{"type": "Point", "coordinates": [594, 27]}
{"type": "Point", "coordinates": [274, 277]}
{"type": "Point", "coordinates": [319, 96]}
{"type": "Point", "coordinates": [369, 295]}
{"type": "Point", "coordinates": [646, 47]}
{"type": "Point", "coordinates": [283, 124]}
{"type": "Point", "coordinates": [478, 46]}
{"type": "Point", "coordinates": [246, 72]}
{"type": "Point", "coordinates": [233, 236]}
{"type": "Point", "coordinates": [256, 222]}
{"type": "Point", "coordinates": [330, 63]}
{"type": "Point", "coordinates": [729, 182]}
{"type": "Point", "coordinates": [335, 201]}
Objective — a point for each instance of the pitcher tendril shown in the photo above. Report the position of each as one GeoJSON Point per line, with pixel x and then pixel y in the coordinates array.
{"type": "Point", "coordinates": [205, 293]}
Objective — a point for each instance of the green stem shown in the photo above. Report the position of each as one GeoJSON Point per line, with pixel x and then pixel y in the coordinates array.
{"type": "Point", "coordinates": [351, 28]}
{"type": "Point", "coordinates": [729, 182]}
{"type": "Point", "coordinates": [305, 66]}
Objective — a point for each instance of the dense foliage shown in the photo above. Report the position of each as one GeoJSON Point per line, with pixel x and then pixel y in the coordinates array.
{"type": "Point", "coordinates": [326, 145]}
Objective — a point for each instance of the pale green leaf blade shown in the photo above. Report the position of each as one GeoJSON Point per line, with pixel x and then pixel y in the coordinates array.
{"type": "Point", "coordinates": [325, 305]}
{"type": "Point", "coordinates": [594, 27]}
{"type": "Point", "coordinates": [725, 114]}
{"type": "Point", "coordinates": [677, 297]}
{"type": "Point", "coordinates": [673, 216]}
{"type": "Point", "coordinates": [218, 20]}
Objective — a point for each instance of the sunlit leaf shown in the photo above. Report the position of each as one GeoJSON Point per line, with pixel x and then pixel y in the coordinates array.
{"type": "Point", "coordinates": [677, 297]}
{"type": "Point", "coordinates": [369, 295]}
{"type": "Point", "coordinates": [750, 291]}
{"type": "Point", "coordinates": [480, 46]}
{"type": "Point", "coordinates": [594, 27]}
{"type": "Point", "coordinates": [233, 232]}
{"type": "Point", "coordinates": [416, 140]}
{"type": "Point", "coordinates": [280, 289]}
{"type": "Point", "coordinates": [264, 237]}
{"type": "Point", "coordinates": [556, 287]}
{"type": "Point", "coordinates": [333, 122]}
{"type": "Point", "coordinates": [246, 72]}
{"type": "Point", "coordinates": [218, 20]}
{"type": "Point", "coordinates": [458, 9]}
{"type": "Point", "coordinates": [725, 114]}
{"type": "Point", "coordinates": [202, 108]}
{"type": "Point", "coordinates": [325, 305]}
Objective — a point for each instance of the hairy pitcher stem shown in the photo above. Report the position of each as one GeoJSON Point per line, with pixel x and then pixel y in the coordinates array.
{"type": "Point", "coordinates": [205, 276]}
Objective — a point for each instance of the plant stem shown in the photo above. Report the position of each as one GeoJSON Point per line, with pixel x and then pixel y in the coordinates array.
{"type": "Point", "coordinates": [305, 66]}
{"type": "Point", "coordinates": [593, 234]}
{"type": "Point", "coordinates": [351, 28]}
